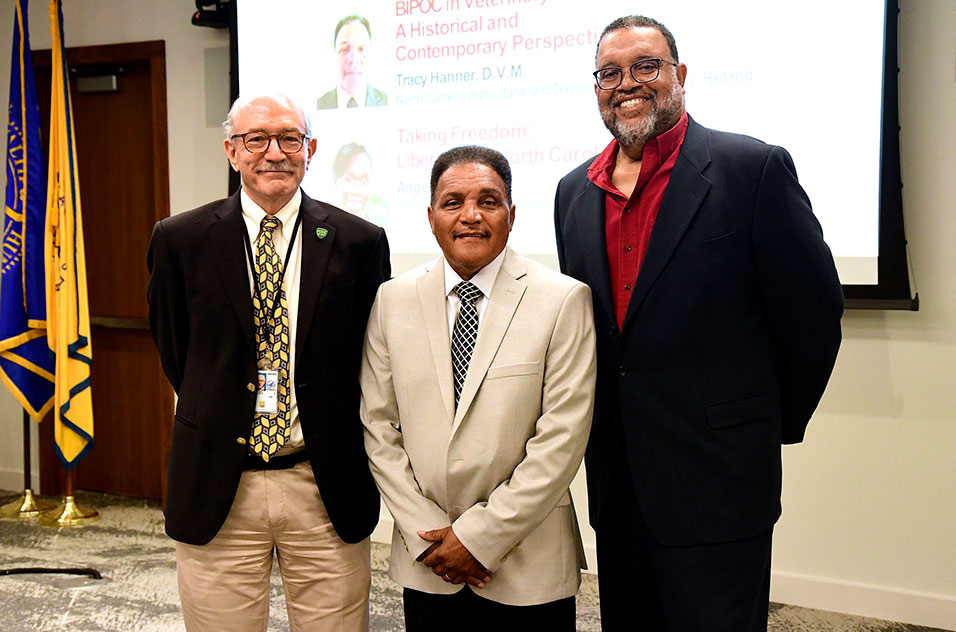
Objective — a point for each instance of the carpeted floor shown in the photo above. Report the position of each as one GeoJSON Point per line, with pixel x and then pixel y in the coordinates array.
{"type": "Point", "coordinates": [138, 590]}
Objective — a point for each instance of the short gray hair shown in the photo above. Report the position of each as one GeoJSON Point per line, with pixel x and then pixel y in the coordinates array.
{"type": "Point", "coordinates": [639, 21]}
{"type": "Point", "coordinates": [229, 125]}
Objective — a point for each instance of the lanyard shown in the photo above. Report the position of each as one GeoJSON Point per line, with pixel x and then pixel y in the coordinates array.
{"type": "Point", "coordinates": [277, 304]}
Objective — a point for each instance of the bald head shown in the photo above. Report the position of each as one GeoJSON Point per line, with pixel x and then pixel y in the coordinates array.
{"type": "Point", "coordinates": [277, 98]}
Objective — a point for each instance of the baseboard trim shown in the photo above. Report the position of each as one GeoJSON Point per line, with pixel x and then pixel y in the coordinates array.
{"type": "Point", "coordinates": [12, 481]}
{"type": "Point", "coordinates": [864, 600]}
{"type": "Point", "coordinates": [383, 530]}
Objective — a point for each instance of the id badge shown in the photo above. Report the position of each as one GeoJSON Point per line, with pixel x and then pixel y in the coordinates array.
{"type": "Point", "coordinates": [267, 397]}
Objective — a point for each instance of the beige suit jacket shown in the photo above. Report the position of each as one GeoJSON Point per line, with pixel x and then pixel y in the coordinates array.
{"type": "Point", "coordinates": [498, 469]}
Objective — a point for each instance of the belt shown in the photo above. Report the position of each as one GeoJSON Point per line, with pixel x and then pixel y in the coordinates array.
{"type": "Point", "coordinates": [283, 462]}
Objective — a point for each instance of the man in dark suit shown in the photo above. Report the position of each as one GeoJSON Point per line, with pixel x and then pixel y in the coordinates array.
{"type": "Point", "coordinates": [717, 308]}
{"type": "Point", "coordinates": [352, 41]}
{"type": "Point", "coordinates": [267, 281]}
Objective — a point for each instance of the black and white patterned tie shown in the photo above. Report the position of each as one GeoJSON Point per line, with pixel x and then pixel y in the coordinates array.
{"type": "Point", "coordinates": [464, 335]}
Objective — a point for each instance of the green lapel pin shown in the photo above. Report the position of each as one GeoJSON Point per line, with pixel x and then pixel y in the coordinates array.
{"type": "Point", "coordinates": [321, 232]}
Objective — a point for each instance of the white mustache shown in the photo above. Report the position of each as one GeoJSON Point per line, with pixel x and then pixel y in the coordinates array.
{"type": "Point", "coordinates": [277, 166]}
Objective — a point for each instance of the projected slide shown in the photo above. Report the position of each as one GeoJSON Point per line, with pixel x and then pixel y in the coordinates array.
{"type": "Point", "coordinates": [515, 75]}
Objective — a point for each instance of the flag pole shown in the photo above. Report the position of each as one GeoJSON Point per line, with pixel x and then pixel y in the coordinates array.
{"type": "Point", "coordinates": [27, 505]}
{"type": "Point", "coordinates": [67, 317]}
{"type": "Point", "coordinates": [68, 513]}
{"type": "Point", "coordinates": [26, 365]}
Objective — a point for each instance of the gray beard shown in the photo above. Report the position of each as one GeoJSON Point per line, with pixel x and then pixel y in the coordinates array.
{"type": "Point", "coordinates": [665, 110]}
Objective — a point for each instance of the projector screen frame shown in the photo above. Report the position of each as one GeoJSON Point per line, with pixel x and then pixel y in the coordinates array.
{"type": "Point", "coordinates": [893, 289]}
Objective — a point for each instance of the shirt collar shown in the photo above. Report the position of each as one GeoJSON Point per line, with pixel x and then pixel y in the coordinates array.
{"type": "Point", "coordinates": [484, 278]}
{"type": "Point", "coordinates": [663, 145]}
{"type": "Point", "coordinates": [670, 141]}
{"type": "Point", "coordinates": [342, 97]}
{"type": "Point", "coordinates": [254, 213]}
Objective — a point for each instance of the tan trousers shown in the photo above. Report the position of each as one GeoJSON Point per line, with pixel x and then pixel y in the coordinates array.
{"type": "Point", "coordinates": [224, 585]}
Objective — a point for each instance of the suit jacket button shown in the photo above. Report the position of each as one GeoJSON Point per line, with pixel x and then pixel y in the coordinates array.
{"type": "Point", "coordinates": [251, 387]}
{"type": "Point", "coordinates": [240, 441]}
{"type": "Point", "coordinates": [622, 371]}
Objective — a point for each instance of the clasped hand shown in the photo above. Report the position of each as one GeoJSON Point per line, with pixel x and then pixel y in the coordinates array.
{"type": "Point", "coordinates": [449, 559]}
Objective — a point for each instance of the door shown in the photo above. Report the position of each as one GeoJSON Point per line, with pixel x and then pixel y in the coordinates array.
{"type": "Point", "coordinates": [119, 113]}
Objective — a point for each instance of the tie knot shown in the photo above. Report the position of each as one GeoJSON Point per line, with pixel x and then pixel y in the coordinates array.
{"type": "Point", "coordinates": [468, 292]}
{"type": "Point", "coordinates": [269, 223]}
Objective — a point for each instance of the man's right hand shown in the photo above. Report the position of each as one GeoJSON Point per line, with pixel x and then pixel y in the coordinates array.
{"type": "Point", "coordinates": [449, 559]}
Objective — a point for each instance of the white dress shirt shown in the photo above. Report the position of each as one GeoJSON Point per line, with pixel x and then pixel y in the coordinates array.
{"type": "Point", "coordinates": [484, 279]}
{"type": "Point", "coordinates": [342, 97]}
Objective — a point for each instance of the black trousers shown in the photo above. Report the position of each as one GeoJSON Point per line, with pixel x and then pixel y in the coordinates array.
{"type": "Point", "coordinates": [465, 611]}
{"type": "Point", "coordinates": [644, 585]}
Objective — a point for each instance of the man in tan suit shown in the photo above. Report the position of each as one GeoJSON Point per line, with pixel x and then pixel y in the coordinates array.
{"type": "Point", "coordinates": [473, 449]}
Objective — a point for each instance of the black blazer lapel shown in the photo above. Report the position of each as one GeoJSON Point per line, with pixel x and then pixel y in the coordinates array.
{"type": "Point", "coordinates": [685, 193]}
{"type": "Point", "coordinates": [316, 253]}
{"type": "Point", "coordinates": [586, 221]}
{"type": "Point", "coordinates": [226, 235]}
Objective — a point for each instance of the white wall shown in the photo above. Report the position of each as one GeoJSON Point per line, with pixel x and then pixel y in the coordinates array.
{"type": "Point", "coordinates": [869, 522]}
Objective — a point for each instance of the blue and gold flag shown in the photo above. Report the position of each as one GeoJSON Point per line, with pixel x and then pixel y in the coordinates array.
{"type": "Point", "coordinates": [68, 310]}
{"type": "Point", "coordinates": [26, 364]}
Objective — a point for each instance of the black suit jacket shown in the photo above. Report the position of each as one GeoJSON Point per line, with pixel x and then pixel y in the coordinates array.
{"type": "Point", "coordinates": [200, 314]}
{"type": "Point", "coordinates": [728, 342]}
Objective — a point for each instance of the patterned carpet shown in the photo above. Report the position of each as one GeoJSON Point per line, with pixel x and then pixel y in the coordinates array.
{"type": "Point", "coordinates": [138, 590]}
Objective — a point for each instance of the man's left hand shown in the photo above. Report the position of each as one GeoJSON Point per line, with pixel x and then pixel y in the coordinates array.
{"type": "Point", "coordinates": [450, 560]}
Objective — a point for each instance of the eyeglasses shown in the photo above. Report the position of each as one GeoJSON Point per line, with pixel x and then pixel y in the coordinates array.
{"type": "Point", "coordinates": [258, 142]}
{"type": "Point", "coordinates": [642, 71]}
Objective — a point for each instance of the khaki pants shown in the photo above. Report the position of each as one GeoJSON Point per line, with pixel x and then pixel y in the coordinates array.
{"type": "Point", "coordinates": [224, 585]}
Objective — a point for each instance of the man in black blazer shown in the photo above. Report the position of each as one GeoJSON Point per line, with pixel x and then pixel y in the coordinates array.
{"type": "Point", "coordinates": [246, 474]}
{"type": "Point", "coordinates": [717, 308]}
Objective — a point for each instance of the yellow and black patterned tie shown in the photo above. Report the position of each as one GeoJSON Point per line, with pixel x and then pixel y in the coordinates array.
{"type": "Point", "coordinates": [271, 431]}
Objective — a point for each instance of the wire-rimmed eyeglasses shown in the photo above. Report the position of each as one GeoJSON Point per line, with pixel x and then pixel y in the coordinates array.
{"type": "Point", "coordinates": [642, 71]}
{"type": "Point", "coordinates": [258, 142]}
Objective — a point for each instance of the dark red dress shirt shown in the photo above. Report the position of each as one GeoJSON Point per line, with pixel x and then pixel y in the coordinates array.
{"type": "Point", "coordinates": [629, 221]}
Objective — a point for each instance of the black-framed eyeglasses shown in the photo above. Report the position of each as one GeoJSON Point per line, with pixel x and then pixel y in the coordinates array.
{"type": "Point", "coordinates": [642, 71]}
{"type": "Point", "coordinates": [258, 142]}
